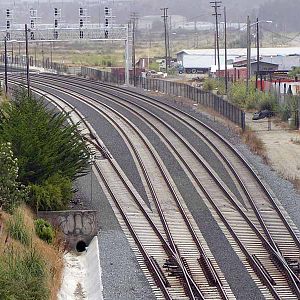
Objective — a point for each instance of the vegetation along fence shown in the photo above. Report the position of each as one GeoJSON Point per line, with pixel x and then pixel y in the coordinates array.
{"type": "Point", "coordinates": [221, 106]}
{"type": "Point", "coordinates": [46, 63]}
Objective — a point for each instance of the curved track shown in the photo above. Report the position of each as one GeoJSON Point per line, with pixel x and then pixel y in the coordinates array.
{"type": "Point", "coordinates": [259, 227]}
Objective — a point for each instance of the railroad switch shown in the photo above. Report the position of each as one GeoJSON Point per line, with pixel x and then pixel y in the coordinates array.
{"type": "Point", "coordinates": [173, 268]}
{"type": "Point", "coordinates": [294, 264]}
{"type": "Point", "coordinates": [159, 270]}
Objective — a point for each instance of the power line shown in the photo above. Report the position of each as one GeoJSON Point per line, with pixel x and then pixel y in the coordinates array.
{"type": "Point", "coordinates": [216, 5]}
{"type": "Point", "coordinates": [283, 36]}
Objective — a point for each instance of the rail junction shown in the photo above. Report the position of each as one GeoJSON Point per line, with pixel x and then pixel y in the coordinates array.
{"type": "Point", "coordinates": [167, 223]}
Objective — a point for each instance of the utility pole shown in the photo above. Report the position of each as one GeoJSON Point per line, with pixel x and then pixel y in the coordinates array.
{"type": "Point", "coordinates": [5, 64]}
{"type": "Point", "coordinates": [35, 62]}
{"type": "Point", "coordinates": [134, 19]}
{"type": "Point", "coordinates": [248, 54]}
{"type": "Point", "coordinates": [165, 16]}
{"type": "Point", "coordinates": [257, 47]}
{"type": "Point", "coordinates": [43, 58]}
{"type": "Point", "coordinates": [216, 5]}
{"type": "Point", "coordinates": [127, 56]}
{"type": "Point", "coordinates": [215, 46]}
{"type": "Point", "coordinates": [27, 61]}
{"type": "Point", "coordinates": [51, 55]}
{"type": "Point", "coordinates": [169, 29]}
{"type": "Point", "coordinates": [12, 52]}
{"type": "Point", "coordinates": [225, 42]}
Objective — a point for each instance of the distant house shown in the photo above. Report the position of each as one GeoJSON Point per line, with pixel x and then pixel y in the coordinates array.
{"type": "Point", "coordinates": [285, 62]}
{"type": "Point", "coordinates": [263, 66]}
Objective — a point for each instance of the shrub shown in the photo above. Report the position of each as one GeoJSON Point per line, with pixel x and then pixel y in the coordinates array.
{"type": "Point", "coordinates": [154, 66]}
{"type": "Point", "coordinates": [239, 96]}
{"type": "Point", "coordinates": [209, 84]}
{"type": "Point", "coordinates": [17, 229]}
{"type": "Point", "coordinates": [44, 230]}
{"type": "Point", "coordinates": [12, 193]}
{"type": "Point", "coordinates": [23, 276]}
{"type": "Point", "coordinates": [42, 140]}
{"type": "Point", "coordinates": [267, 101]}
{"type": "Point", "coordinates": [253, 99]}
{"type": "Point", "coordinates": [255, 144]}
{"type": "Point", "coordinates": [54, 194]}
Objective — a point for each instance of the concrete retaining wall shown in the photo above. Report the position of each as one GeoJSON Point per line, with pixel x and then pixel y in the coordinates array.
{"type": "Point", "coordinates": [76, 225]}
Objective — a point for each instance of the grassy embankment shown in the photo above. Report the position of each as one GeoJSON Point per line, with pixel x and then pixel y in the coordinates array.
{"type": "Point", "coordinates": [29, 267]}
{"type": "Point", "coordinates": [40, 156]}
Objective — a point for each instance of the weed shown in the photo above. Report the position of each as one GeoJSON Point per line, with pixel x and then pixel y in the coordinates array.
{"type": "Point", "coordinates": [44, 230]}
{"type": "Point", "coordinates": [17, 229]}
{"type": "Point", "coordinates": [255, 144]}
{"type": "Point", "coordinates": [23, 276]}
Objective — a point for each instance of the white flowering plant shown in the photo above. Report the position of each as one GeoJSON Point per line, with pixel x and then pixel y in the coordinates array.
{"type": "Point", "coordinates": [12, 192]}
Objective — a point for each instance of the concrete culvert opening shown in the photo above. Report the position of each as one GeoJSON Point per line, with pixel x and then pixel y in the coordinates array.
{"type": "Point", "coordinates": [81, 246]}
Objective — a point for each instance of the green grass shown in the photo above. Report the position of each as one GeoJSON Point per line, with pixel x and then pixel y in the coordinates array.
{"type": "Point", "coordinates": [17, 229]}
{"type": "Point", "coordinates": [23, 276]}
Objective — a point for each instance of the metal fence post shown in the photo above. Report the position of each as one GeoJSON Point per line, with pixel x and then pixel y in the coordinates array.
{"type": "Point", "coordinates": [243, 120]}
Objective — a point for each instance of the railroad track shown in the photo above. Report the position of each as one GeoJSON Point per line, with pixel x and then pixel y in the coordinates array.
{"type": "Point", "coordinates": [254, 235]}
{"type": "Point", "coordinates": [196, 263]}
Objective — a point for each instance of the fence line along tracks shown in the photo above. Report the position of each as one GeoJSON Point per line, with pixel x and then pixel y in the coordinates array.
{"type": "Point", "coordinates": [177, 266]}
{"type": "Point", "coordinates": [257, 248]}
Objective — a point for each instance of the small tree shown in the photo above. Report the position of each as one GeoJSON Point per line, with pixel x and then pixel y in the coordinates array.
{"type": "Point", "coordinates": [42, 139]}
{"type": "Point", "coordinates": [11, 191]}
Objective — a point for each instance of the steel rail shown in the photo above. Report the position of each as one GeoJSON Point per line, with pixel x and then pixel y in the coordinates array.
{"type": "Point", "coordinates": [188, 279]}
{"type": "Point", "coordinates": [234, 151]}
{"type": "Point", "coordinates": [290, 274]}
{"type": "Point", "coordinates": [250, 258]}
{"type": "Point", "coordinates": [220, 137]}
{"type": "Point", "coordinates": [149, 262]}
{"type": "Point", "coordinates": [192, 286]}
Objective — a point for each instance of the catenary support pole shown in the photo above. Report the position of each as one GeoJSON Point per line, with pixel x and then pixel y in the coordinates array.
{"type": "Point", "coordinates": [127, 57]}
{"type": "Point", "coordinates": [134, 18]}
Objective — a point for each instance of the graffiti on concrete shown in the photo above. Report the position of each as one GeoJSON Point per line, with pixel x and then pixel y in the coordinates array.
{"type": "Point", "coordinates": [78, 223]}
